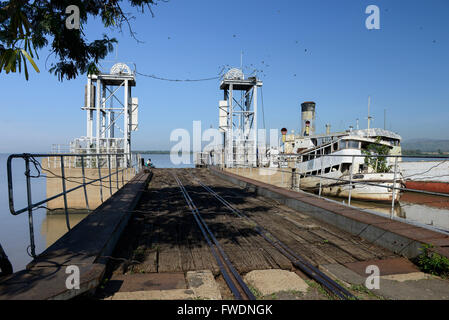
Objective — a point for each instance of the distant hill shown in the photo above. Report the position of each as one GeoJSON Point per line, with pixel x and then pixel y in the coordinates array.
{"type": "Point", "coordinates": [426, 145]}
{"type": "Point", "coordinates": [153, 152]}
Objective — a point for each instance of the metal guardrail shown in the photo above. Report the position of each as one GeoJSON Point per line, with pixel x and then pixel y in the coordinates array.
{"type": "Point", "coordinates": [83, 159]}
{"type": "Point", "coordinates": [397, 181]}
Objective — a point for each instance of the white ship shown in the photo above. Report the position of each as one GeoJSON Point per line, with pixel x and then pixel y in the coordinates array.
{"type": "Point", "coordinates": [334, 162]}
{"type": "Point", "coordinates": [343, 162]}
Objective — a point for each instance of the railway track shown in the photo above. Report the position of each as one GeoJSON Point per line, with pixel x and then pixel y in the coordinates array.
{"type": "Point", "coordinates": [233, 279]}
{"type": "Point", "coordinates": [298, 261]}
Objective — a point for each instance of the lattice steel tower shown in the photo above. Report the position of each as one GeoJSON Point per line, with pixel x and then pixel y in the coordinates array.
{"type": "Point", "coordinates": [101, 91]}
{"type": "Point", "coordinates": [238, 118]}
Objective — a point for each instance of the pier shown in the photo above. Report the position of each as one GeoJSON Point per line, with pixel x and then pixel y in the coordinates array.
{"type": "Point", "coordinates": [168, 227]}
{"type": "Point", "coordinates": [247, 223]}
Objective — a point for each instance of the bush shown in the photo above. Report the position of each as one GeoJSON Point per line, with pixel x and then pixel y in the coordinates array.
{"type": "Point", "coordinates": [432, 262]}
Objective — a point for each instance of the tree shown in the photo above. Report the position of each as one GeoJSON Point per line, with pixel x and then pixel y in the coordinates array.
{"type": "Point", "coordinates": [26, 26]}
{"type": "Point", "coordinates": [379, 162]}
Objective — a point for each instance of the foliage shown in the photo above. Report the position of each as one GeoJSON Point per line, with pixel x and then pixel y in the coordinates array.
{"type": "Point", "coordinates": [412, 152]}
{"type": "Point", "coordinates": [379, 163]}
{"type": "Point", "coordinates": [432, 262]}
{"type": "Point", "coordinates": [26, 26]}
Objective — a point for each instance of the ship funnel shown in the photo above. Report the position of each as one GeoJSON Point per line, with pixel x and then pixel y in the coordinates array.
{"type": "Point", "coordinates": [308, 118]}
{"type": "Point", "coordinates": [328, 129]}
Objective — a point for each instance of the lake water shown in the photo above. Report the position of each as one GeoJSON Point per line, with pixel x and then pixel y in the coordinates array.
{"type": "Point", "coordinates": [417, 207]}
{"type": "Point", "coordinates": [14, 230]}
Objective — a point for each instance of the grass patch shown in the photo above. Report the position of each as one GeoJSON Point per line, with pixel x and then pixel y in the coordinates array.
{"type": "Point", "coordinates": [432, 262]}
{"type": "Point", "coordinates": [255, 292]}
{"type": "Point", "coordinates": [360, 288]}
{"type": "Point", "coordinates": [317, 286]}
{"type": "Point", "coordinates": [139, 254]}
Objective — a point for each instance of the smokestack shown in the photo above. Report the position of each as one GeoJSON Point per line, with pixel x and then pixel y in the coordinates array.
{"type": "Point", "coordinates": [328, 129]}
{"type": "Point", "coordinates": [308, 118]}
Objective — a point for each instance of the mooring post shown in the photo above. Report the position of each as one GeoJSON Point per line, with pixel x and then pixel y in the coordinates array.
{"type": "Point", "coordinates": [84, 183]}
{"type": "Point", "coordinates": [394, 187]}
{"type": "Point", "coordinates": [65, 194]}
{"type": "Point", "coordinates": [350, 181]}
{"type": "Point", "coordinates": [30, 210]}
{"type": "Point", "coordinates": [99, 177]}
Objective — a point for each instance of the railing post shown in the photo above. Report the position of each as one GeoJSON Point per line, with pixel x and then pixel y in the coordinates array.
{"type": "Point", "coordinates": [394, 187]}
{"type": "Point", "coordinates": [65, 194]}
{"type": "Point", "coordinates": [321, 174]}
{"type": "Point", "coordinates": [282, 178]}
{"type": "Point", "coordinates": [110, 178]}
{"type": "Point", "coordinates": [123, 173]}
{"type": "Point", "coordinates": [30, 210]}
{"type": "Point", "coordinates": [84, 183]}
{"type": "Point", "coordinates": [350, 181]}
{"type": "Point", "coordinates": [99, 177]}
{"type": "Point", "coordinates": [116, 168]}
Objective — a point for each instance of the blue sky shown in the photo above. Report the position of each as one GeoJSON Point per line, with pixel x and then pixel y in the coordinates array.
{"type": "Point", "coordinates": [404, 67]}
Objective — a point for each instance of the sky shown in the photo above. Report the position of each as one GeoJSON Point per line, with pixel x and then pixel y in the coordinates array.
{"type": "Point", "coordinates": [308, 50]}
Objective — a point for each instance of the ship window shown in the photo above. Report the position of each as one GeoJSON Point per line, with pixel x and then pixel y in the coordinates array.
{"type": "Point", "coordinates": [327, 170]}
{"type": "Point", "coordinates": [335, 146]}
{"type": "Point", "coordinates": [353, 144]}
{"type": "Point", "coordinates": [349, 144]}
{"type": "Point", "coordinates": [345, 167]}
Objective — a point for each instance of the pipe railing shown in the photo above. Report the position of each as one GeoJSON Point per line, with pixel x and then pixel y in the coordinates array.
{"type": "Point", "coordinates": [30, 159]}
{"type": "Point", "coordinates": [398, 181]}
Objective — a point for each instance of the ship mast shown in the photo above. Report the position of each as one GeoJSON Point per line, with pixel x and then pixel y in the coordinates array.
{"type": "Point", "coordinates": [369, 117]}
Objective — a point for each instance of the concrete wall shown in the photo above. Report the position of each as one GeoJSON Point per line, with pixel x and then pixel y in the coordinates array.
{"type": "Point", "coordinates": [425, 170]}
{"type": "Point", "coordinates": [76, 199]}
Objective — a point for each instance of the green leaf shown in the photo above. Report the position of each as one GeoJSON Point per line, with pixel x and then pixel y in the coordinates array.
{"type": "Point", "coordinates": [30, 60]}
{"type": "Point", "coordinates": [25, 68]}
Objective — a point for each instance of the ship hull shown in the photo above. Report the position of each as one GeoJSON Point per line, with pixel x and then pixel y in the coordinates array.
{"type": "Point", "coordinates": [370, 187]}
{"type": "Point", "coordinates": [432, 186]}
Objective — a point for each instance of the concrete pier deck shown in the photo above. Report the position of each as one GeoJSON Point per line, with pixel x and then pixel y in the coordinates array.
{"type": "Point", "coordinates": [162, 237]}
{"type": "Point", "coordinates": [86, 246]}
{"type": "Point", "coordinates": [144, 243]}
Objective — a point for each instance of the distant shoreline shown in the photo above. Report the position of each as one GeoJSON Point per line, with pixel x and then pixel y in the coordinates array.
{"type": "Point", "coordinates": [156, 152]}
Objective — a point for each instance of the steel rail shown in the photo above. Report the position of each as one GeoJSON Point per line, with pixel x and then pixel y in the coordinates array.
{"type": "Point", "coordinates": [222, 259]}
{"type": "Point", "coordinates": [10, 188]}
{"type": "Point", "coordinates": [330, 285]}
